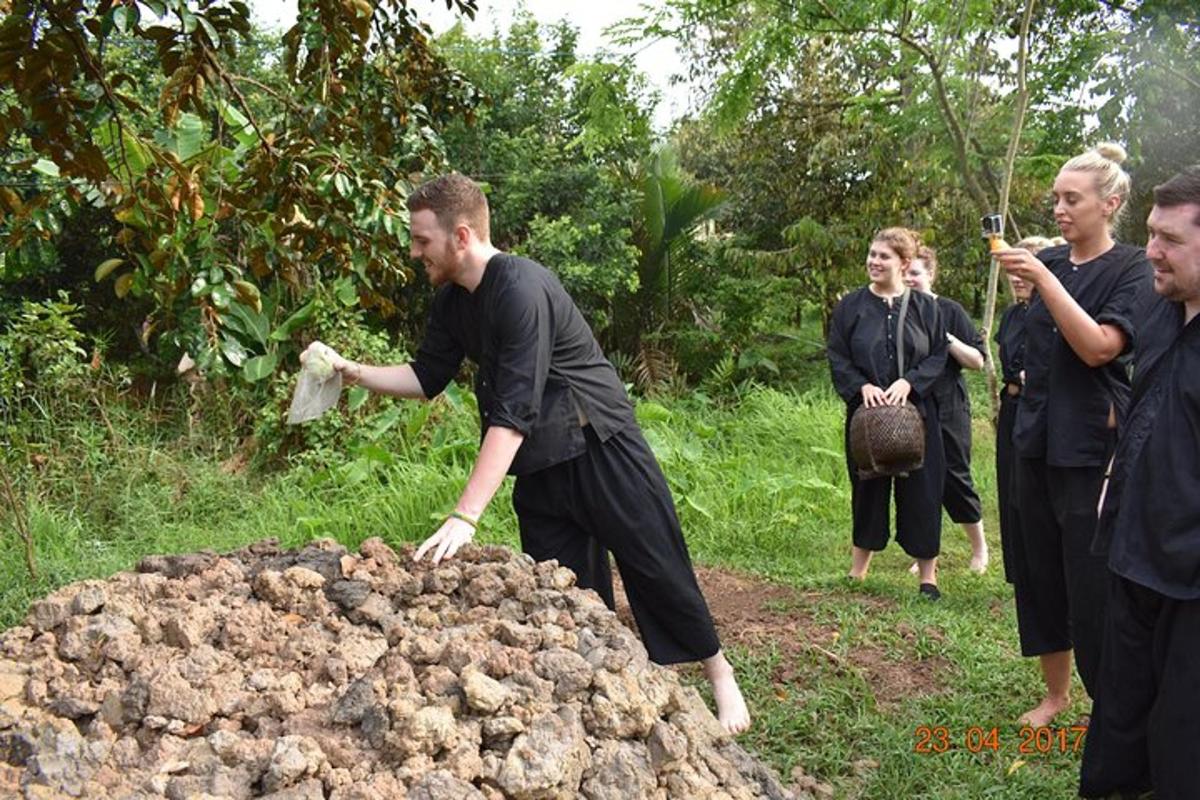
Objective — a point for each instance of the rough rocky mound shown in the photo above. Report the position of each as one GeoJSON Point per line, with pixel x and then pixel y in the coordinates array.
{"type": "Point", "coordinates": [323, 674]}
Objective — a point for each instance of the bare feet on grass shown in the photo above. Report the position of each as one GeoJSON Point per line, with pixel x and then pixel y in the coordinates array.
{"type": "Point", "coordinates": [979, 548]}
{"type": "Point", "coordinates": [1045, 712]}
{"type": "Point", "coordinates": [860, 562]}
{"type": "Point", "coordinates": [731, 706]}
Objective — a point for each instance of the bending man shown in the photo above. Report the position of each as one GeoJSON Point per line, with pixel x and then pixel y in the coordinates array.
{"type": "Point", "coordinates": [555, 414]}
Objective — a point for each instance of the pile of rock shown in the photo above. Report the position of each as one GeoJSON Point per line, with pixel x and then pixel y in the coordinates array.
{"type": "Point", "coordinates": [323, 674]}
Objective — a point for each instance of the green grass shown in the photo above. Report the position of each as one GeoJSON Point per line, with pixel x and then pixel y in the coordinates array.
{"type": "Point", "coordinates": [761, 487]}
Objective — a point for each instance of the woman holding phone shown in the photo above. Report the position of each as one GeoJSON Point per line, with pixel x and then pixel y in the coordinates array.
{"type": "Point", "coordinates": [1079, 333]}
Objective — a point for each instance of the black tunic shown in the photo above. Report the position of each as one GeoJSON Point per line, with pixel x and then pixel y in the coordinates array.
{"type": "Point", "coordinates": [954, 317]}
{"type": "Point", "coordinates": [539, 364]}
{"type": "Point", "coordinates": [1151, 514]}
{"type": "Point", "coordinates": [1011, 340]}
{"type": "Point", "coordinates": [1064, 410]}
{"type": "Point", "coordinates": [862, 344]}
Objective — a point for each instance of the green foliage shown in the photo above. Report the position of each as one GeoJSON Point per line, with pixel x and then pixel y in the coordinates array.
{"type": "Point", "coordinates": [1155, 91]}
{"type": "Point", "coordinates": [218, 200]}
{"type": "Point", "coordinates": [555, 143]}
{"type": "Point", "coordinates": [673, 207]}
{"type": "Point", "coordinates": [41, 354]}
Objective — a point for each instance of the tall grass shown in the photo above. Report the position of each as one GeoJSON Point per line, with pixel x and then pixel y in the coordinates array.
{"type": "Point", "coordinates": [761, 486]}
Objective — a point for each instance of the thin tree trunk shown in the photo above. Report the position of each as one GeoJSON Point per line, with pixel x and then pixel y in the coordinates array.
{"type": "Point", "coordinates": [1014, 140]}
{"type": "Point", "coordinates": [20, 523]}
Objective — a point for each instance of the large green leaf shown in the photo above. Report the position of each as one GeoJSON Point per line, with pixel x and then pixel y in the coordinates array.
{"type": "Point", "coordinates": [122, 148]}
{"type": "Point", "coordinates": [259, 367]}
{"type": "Point", "coordinates": [251, 323]}
{"type": "Point", "coordinates": [190, 138]}
{"type": "Point", "coordinates": [295, 322]}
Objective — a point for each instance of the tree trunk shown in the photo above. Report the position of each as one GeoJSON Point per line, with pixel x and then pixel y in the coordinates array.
{"type": "Point", "coordinates": [1014, 140]}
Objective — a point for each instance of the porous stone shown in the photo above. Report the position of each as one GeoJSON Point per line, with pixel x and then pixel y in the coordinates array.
{"type": "Point", "coordinates": [319, 673]}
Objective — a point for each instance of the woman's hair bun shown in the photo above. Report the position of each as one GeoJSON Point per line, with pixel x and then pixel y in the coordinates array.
{"type": "Point", "coordinates": [1112, 151]}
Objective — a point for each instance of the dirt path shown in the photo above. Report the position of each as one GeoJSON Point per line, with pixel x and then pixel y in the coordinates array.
{"type": "Point", "coordinates": [758, 615]}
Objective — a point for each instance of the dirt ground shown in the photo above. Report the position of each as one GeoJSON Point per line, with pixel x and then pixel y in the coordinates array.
{"type": "Point", "coordinates": [761, 615]}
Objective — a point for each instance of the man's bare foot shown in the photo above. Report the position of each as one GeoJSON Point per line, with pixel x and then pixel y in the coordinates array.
{"type": "Point", "coordinates": [915, 568]}
{"type": "Point", "coordinates": [1050, 707]}
{"type": "Point", "coordinates": [979, 561]}
{"type": "Point", "coordinates": [731, 706]}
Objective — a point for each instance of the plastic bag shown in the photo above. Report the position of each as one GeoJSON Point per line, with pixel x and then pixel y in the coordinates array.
{"type": "Point", "coordinates": [317, 389]}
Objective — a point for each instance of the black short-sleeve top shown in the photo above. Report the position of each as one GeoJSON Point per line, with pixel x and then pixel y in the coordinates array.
{"type": "Point", "coordinates": [1151, 513]}
{"type": "Point", "coordinates": [862, 344]}
{"type": "Point", "coordinates": [541, 371]}
{"type": "Point", "coordinates": [1064, 410]}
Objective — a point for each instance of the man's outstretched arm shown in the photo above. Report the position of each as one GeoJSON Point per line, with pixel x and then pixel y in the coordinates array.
{"type": "Point", "coordinates": [399, 380]}
{"type": "Point", "coordinates": [496, 455]}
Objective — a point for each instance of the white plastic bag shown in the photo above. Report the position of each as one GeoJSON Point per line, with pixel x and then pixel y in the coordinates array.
{"type": "Point", "coordinates": [317, 389]}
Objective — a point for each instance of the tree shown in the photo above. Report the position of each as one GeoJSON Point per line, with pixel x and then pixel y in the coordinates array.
{"type": "Point", "coordinates": [235, 198]}
{"type": "Point", "coordinates": [673, 207]}
{"type": "Point", "coordinates": [556, 142]}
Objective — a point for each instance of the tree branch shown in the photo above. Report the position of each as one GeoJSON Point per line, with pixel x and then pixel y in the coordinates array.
{"type": "Point", "coordinates": [953, 124]}
{"type": "Point", "coordinates": [225, 77]}
{"type": "Point", "coordinates": [272, 92]}
{"type": "Point", "coordinates": [20, 523]}
{"type": "Point", "coordinates": [1010, 159]}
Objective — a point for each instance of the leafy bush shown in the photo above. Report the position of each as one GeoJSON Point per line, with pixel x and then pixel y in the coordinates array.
{"type": "Point", "coordinates": [42, 353]}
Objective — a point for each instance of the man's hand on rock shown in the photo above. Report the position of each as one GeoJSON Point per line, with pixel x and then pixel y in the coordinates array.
{"type": "Point", "coordinates": [453, 534]}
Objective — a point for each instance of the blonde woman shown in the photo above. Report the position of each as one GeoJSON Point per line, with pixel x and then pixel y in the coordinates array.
{"type": "Point", "coordinates": [1079, 332]}
{"type": "Point", "coordinates": [1010, 338]}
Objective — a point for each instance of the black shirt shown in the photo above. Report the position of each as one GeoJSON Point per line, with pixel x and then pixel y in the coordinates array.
{"type": "Point", "coordinates": [1011, 338]}
{"type": "Point", "coordinates": [540, 367]}
{"type": "Point", "coordinates": [1151, 512]}
{"type": "Point", "coordinates": [862, 344]}
{"type": "Point", "coordinates": [958, 323]}
{"type": "Point", "coordinates": [1064, 409]}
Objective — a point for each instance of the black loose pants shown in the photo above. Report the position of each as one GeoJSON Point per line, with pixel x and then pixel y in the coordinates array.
{"type": "Point", "coordinates": [1060, 586]}
{"type": "Point", "coordinates": [1145, 729]}
{"type": "Point", "coordinates": [959, 497]}
{"type": "Point", "coordinates": [1005, 492]}
{"type": "Point", "coordinates": [918, 498]}
{"type": "Point", "coordinates": [614, 497]}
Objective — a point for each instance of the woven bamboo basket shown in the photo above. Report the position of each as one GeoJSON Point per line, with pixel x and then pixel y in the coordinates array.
{"type": "Point", "coordinates": [887, 441]}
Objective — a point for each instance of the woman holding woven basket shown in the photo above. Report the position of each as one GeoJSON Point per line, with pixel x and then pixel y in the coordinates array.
{"type": "Point", "coordinates": [886, 349]}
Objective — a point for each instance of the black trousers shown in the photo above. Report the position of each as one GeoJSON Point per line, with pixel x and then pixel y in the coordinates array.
{"type": "Point", "coordinates": [614, 498]}
{"type": "Point", "coordinates": [918, 499]}
{"type": "Point", "coordinates": [959, 497]}
{"type": "Point", "coordinates": [1145, 729]}
{"type": "Point", "coordinates": [1005, 494]}
{"type": "Point", "coordinates": [1060, 586]}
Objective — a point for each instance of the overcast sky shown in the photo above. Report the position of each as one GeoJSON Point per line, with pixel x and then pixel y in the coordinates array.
{"type": "Point", "coordinates": [658, 61]}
